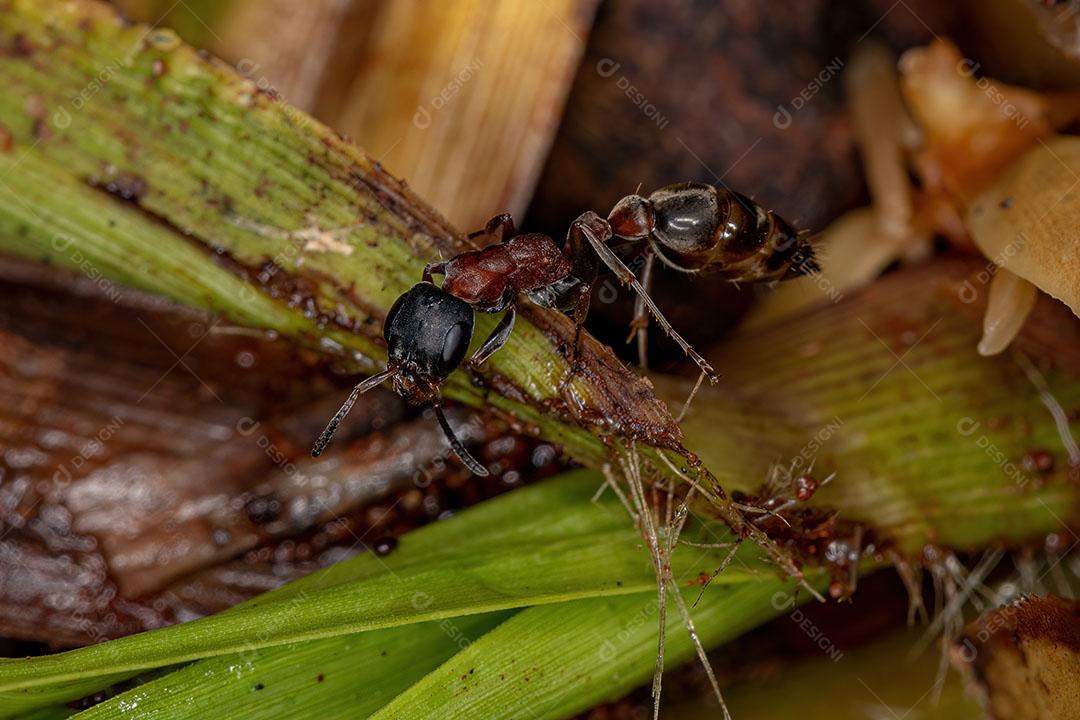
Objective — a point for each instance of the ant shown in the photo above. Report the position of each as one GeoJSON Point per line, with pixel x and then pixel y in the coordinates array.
{"type": "Point", "coordinates": [691, 227]}
{"type": "Point", "coordinates": [695, 228]}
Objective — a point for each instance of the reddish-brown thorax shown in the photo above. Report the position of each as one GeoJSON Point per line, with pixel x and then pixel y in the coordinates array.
{"type": "Point", "coordinates": [485, 278]}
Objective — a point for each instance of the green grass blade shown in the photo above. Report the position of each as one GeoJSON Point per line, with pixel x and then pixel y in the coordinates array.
{"type": "Point", "coordinates": [48, 713]}
{"type": "Point", "coordinates": [561, 547]}
{"type": "Point", "coordinates": [343, 677]}
{"type": "Point", "coordinates": [552, 662]}
{"type": "Point", "coordinates": [524, 666]}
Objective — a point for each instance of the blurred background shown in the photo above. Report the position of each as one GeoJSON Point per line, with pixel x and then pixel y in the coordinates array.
{"type": "Point", "coordinates": [543, 109]}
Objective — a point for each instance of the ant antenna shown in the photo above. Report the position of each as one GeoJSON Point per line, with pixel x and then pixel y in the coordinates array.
{"type": "Point", "coordinates": [455, 444]}
{"type": "Point", "coordinates": [331, 427]}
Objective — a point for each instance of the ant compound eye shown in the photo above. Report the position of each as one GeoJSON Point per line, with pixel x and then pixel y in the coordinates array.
{"type": "Point", "coordinates": [455, 345]}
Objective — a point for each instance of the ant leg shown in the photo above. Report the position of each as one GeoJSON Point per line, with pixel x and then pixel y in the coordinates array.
{"type": "Point", "coordinates": [640, 324]}
{"type": "Point", "coordinates": [496, 339]}
{"type": "Point", "coordinates": [499, 228]}
{"type": "Point", "coordinates": [430, 269]}
{"type": "Point", "coordinates": [578, 310]}
{"type": "Point", "coordinates": [573, 369]}
{"type": "Point", "coordinates": [597, 231]}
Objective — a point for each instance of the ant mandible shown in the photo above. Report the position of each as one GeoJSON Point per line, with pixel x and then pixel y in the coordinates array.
{"type": "Point", "coordinates": [691, 227]}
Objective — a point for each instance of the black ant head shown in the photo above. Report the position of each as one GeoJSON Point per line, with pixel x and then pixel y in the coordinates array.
{"type": "Point", "coordinates": [632, 217]}
{"type": "Point", "coordinates": [427, 334]}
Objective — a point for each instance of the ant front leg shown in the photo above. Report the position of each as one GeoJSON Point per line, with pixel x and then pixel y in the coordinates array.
{"type": "Point", "coordinates": [578, 310]}
{"type": "Point", "coordinates": [497, 338]}
{"type": "Point", "coordinates": [577, 301]}
{"type": "Point", "coordinates": [597, 232]}
{"type": "Point", "coordinates": [498, 229]}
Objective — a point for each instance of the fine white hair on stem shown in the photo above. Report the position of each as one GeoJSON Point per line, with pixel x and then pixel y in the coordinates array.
{"type": "Point", "coordinates": [911, 575]}
{"type": "Point", "coordinates": [1028, 575]}
{"type": "Point", "coordinates": [672, 537]}
{"type": "Point", "coordinates": [611, 482]}
{"type": "Point", "coordinates": [721, 568]}
{"type": "Point", "coordinates": [690, 398]}
{"type": "Point", "coordinates": [958, 587]}
{"type": "Point", "coordinates": [680, 603]}
{"type": "Point", "coordinates": [644, 519]}
{"type": "Point", "coordinates": [661, 545]}
{"type": "Point", "coordinates": [1061, 418]}
{"type": "Point", "coordinates": [606, 470]}
{"type": "Point", "coordinates": [777, 554]}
